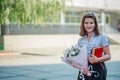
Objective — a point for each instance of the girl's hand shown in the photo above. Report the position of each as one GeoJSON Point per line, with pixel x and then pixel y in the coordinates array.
{"type": "Point", "coordinates": [93, 59]}
{"type": "Point", "coordinates": [85, 72]}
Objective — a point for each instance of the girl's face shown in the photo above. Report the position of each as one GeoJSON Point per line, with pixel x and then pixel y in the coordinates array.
{"type": "Point", "coordinates": [89, 25]}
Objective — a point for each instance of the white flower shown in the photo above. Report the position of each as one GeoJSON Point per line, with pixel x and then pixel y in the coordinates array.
{"type": "Point", "coordinates": [73, 51]}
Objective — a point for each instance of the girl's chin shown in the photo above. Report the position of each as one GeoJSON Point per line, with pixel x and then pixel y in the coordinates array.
{"type": "Point", "coordinates": [89, 31]}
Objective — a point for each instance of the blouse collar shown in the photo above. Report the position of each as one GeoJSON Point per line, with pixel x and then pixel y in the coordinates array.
{"type": "Point", "coordinates": [93, 35]}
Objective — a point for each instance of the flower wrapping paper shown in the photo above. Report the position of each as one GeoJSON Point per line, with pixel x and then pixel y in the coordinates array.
{"type": "Point", "coordinates": [79, 61]}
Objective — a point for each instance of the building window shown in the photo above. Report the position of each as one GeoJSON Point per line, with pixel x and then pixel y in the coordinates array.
{"type": "Point", "coordinates": [72, 17]}
{"type": "Point", "coordinates": [107, 19]}
{"type": "Point", "coordinates": [98, 17]}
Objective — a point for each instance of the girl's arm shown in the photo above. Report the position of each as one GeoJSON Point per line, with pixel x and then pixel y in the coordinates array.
{"type": "Point", "coordinates": [106, 57]}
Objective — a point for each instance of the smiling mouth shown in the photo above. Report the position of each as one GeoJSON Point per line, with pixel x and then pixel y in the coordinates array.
{"type": "Point", "coordinates": [88, 28]}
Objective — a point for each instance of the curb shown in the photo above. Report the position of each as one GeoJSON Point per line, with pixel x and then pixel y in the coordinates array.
{"type": "Point", "coordinates": [7, 53]}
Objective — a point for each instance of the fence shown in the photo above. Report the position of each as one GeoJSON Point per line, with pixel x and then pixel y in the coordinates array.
{"type": "Point", "coordinates": [17, 29]}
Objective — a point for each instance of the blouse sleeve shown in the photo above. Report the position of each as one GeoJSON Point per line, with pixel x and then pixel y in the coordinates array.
{"type": "Point", "coordinates": [80, 43]}
{"type": "Point", "coordinates": [104, 41]}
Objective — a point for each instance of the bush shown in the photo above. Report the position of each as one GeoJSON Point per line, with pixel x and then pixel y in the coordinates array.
{"type": "Point", "coordinates": [1, 43]}
{"type": "Point", "coordinates": [1, 47]}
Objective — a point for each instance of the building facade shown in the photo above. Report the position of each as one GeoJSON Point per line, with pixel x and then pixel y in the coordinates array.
{"type": "Point", "coordinates": [107, 12]}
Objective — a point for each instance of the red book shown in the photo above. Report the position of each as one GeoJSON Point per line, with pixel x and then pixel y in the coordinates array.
{"type": "Point", "coordinates": [97, 51]}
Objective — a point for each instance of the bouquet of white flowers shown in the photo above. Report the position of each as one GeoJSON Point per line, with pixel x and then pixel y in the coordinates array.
{"type": "Point", "coordinates": [76, 57]}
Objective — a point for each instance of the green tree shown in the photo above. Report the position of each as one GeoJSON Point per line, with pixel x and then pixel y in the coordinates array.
{"type": "Point", "coordinates": [29, 11]}
{"type": "Point", "coordinates": [32, 11]}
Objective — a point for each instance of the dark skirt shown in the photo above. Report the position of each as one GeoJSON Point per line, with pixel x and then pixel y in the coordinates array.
{"type": "Point", "coordinates": [98, 72]}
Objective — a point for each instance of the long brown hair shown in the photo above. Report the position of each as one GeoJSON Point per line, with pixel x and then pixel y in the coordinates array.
{"type": "Point", "coordinates": [82, 29]}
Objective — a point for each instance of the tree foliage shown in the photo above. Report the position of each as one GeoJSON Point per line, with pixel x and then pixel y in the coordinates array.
{"type": "Point", "coordinates": [30, 11]}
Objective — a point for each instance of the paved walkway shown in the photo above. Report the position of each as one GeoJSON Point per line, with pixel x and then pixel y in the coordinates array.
{"type": "Point", "coordinates": [114, 37]}
{"type": "Point", "coordinates": [48, 66]}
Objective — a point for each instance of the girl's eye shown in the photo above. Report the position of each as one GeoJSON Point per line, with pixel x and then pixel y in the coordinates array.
{"type": "Point", "coordinates": [86, 22]}
{"type": "Point", "coordinates": [91, 22]}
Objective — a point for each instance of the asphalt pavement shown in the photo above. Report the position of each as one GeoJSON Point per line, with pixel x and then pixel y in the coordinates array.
{"type": "Point", "coordinates": [45, 64]}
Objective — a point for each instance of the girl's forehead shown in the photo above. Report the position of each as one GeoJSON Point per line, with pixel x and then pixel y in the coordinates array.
{"type": "Point", "coordinates": [89, 19]}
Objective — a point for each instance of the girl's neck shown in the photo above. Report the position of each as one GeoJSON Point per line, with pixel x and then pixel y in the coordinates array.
{"type": "Point", "coordinates": [89, 36]}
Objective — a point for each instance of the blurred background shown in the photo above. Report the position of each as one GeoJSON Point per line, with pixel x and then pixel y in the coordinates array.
{"type": "Point", "coordinates": [34, 33]}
